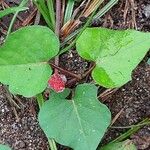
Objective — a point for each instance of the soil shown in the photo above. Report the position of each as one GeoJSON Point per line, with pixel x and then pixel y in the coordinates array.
{"type": "Point", "coordinates": [133, 98]}
{"type": "Point", "coordinates": [19, 126]}
{"type": "Point", "coordinates": [20, 129]}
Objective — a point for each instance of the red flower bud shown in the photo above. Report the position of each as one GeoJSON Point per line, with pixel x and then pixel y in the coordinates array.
{"type": "Point", "coordinates": [57, 82]}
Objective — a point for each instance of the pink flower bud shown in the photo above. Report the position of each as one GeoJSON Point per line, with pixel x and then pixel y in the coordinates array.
{"type": "Point", "coordinates": [57, 82]}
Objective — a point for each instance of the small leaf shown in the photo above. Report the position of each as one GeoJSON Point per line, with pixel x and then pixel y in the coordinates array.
{"type": "Point", "coordinates": [23, 60]}
{"type": "Point", "coordinates": [11, 10]}
{"type": "Point", "coordinates": [79, 123]}
{"type": "Point", "coordinates": [4, 147]}
{"type": "Point", "coordinates": [116, 53]}
{"type": "Point", "coordinates": [125, 145]}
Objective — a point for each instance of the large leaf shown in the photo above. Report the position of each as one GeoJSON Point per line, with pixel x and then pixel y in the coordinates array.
{"type": "Point", "coordinates": [4, 147]}
{"type": "Point", "coordinates": [23, 60]}
{"type": "Point", "coordinates": [125, 145]}
{"type": "Point", "coordinates": [116, 53]}
{"type": "Point", "coordinates": [79, 123]}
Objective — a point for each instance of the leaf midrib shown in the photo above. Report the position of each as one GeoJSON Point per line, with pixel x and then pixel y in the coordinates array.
{"type": "Point", "coordinates": [79, 120]}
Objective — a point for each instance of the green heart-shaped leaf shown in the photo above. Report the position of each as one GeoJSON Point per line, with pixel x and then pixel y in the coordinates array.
{"type": "Point", "coordinates": [23, 60]}
{"type": "Point", "coordinates": [125, 145]}
{"type": "Point", "coordinates": [79, 123]}
{"type": "Point", "coordinates": [116, 53]}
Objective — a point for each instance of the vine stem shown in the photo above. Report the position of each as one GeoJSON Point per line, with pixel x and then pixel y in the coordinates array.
{"type": "Point", "coordinates": [40, 101]}
{"type": "Point", "coordinates": [52, 144]}
{"type": "Point", "coordinates": [14, 17]}
{"type": "Point", "coordinates": [57, 28]}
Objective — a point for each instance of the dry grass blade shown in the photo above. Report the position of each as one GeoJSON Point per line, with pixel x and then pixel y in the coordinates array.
{"type": "Point", "coordinates": [107, 94]}
{"type": "Point", "coordinates": [92, 6]}
{"type": "Point", "coordinates": [5, 5]}
{"type": "Point", "coordinates": [71, 25]}
{"type": "Point", "coordinates": [29, 18]}
{"type": "Point", "coordinates": [86, 6]}
{"type": "Point", "coordinates": [117, 116]}
{"type": "Point", "coordinates": [78, 9]}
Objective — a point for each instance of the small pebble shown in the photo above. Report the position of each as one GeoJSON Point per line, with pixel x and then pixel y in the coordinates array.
{"type": "Point", "coordinates": [21, 144]}
{"type": "Point", "coordinates": [147, 11]}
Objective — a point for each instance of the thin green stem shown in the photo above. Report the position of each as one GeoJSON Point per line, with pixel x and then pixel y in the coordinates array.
{"type": "Point", "coordinates": [40, 101]}
{"type": "Point", "coordinates": [132, 130]}
{"type": "Point", "coordinates": [8, 11]}
{"type": "Point", "coordinates": [52, 144]}
{"type": "Point", "coordinates": [23, 3]}
{"type": "Point", "coordinates": [132, 126]}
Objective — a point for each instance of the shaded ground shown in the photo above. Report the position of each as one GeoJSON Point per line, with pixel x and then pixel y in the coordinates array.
{"type": "Point", "coordinates": [20, 129]}
{"type": "Point", "coordinates": [22, 132]}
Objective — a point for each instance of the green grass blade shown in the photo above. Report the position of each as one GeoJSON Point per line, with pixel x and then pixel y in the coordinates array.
{"type": "Point", "coordinates": [23, 3]}
{"type": "Point", "coordinates": [105, 9]}
{"type": "Point", "coordinates": [69, 10]}
{"type": "Point", "coordinates": [50, 5]}
{"type": "Point", "coordinates": [41, 5]}
{"type": "Point", "coordinates": [11, 10]}
{"type": "Point", "coordinates": [132, 130]}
